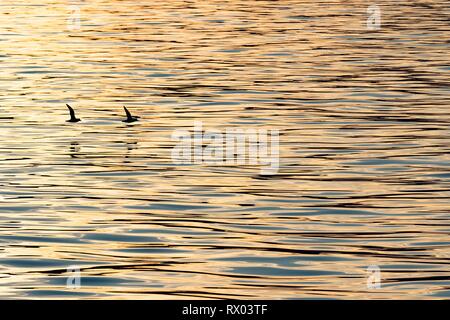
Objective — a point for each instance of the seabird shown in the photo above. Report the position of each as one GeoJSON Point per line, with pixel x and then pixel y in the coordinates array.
{"type": "Point", "coordinates": [72, 115]}
{"type": "Point", "coordinates": [129, 118]}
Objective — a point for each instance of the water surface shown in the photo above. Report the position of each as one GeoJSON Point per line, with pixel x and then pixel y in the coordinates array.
{"type": "Point", "coordinates": [365, 166]}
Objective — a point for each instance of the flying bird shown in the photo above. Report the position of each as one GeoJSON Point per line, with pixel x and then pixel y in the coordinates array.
{"type": "Point", "coordinates": [73, 118]}
{"type": "Point", "coordinates": [130, 118]}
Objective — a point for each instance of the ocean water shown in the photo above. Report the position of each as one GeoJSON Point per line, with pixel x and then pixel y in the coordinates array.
{"type": "Point", "coordinates": [364, 176]}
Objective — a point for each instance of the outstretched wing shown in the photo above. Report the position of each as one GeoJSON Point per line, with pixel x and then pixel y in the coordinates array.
{"type": "Point", "coordinates": [72, 112]}
{"type": "Point", "coordinates": [127, 113]}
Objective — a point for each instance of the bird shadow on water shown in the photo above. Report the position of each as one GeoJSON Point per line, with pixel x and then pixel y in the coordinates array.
{"type": "Point", "coordinates": [130, 145]}
{"type": "Point", "coordinates": [74, 150]}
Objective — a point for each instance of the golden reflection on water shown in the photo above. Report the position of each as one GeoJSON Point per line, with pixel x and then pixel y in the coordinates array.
{"type": "Point", "coordinates": [364, 177]}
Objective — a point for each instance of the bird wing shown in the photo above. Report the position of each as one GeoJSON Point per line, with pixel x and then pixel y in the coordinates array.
{"type": "Point", "coordinates": [72, 112]}
{"type": "Point", "coordinates": [128, 113]}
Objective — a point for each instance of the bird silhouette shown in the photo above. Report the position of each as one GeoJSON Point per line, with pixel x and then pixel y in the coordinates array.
{"type": "Point", "coordinates": [130, 118]}
{"type": "Point", "coordinates": [73, 118]}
